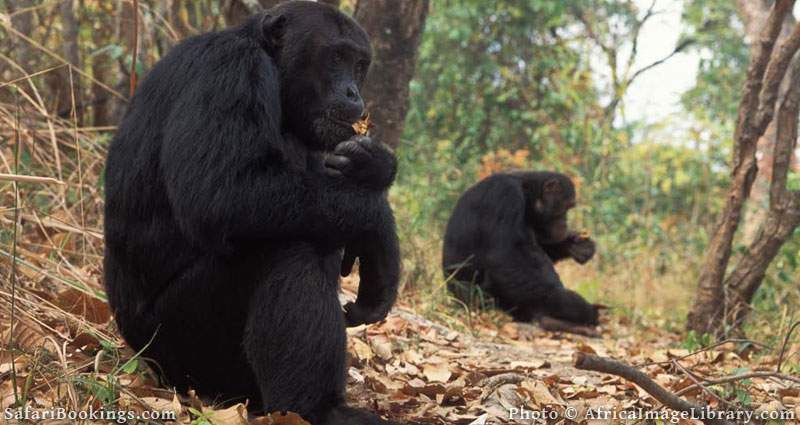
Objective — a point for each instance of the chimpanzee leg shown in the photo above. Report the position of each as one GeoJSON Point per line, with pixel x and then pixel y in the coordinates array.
{"type": "Point", "coordinates": [295, 337]}
{"type": "Point", "coordinates": [568, 305]}
{"type": "Point", "coordinates": [520, 280]}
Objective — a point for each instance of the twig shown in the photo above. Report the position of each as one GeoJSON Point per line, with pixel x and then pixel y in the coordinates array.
{"type": "Point", "coordinates": [785, 343]}
{"type": "Point", "coordinates": [586, 361]}
{"type": "Point", "coordinates": [13, 277]}
{"type": "Point", "coordinates": [135, 46]}
{"type": "Point", "coordinates": [493, 382]}
{"type": "Point", "coordinates": [28, 179]}
{"type": "Point", "coordinates": [704, 349]}
{"type": "Point", "coordinates": [697, 383]}
{"type": "Point", "coordinates": [742, 377]}
{"type": "Point", "coordinates": [678, 49]}
{"type": "Point", "coordinates": [7, 26]}
{"type": "Point", "coordinates": [29, 76]}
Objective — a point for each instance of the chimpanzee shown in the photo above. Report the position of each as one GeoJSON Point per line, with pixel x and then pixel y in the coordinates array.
{"type": "Point", "coordinates": [504, 236]}
{"type": "Point", "coordinates": [234, 185]}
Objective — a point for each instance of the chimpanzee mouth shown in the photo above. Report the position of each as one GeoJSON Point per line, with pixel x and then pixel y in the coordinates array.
{"type": "Point", "coordinates": [340, 122]}
{"type": "Point", "coordinates": [331, 131]}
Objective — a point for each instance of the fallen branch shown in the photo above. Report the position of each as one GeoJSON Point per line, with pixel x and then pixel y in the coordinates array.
{"type": "Point", "coordinates": [741, 377]}
{"type": "Point", "coordinates": [494, 382]}
{"type": "Point", "coordinates": [584, 361]}
{"type": "Point", "coordinates": [28, 179]}
{"type": "Point", "coordinates": [785, 344]}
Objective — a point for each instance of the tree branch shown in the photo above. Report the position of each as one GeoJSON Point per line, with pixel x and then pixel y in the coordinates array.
{"type": "Point", "coordinates": [773, 76]}
{"type": "Point", "coordinates": [586, 361]}
{"type": "Point", "coordinates": [755, 74]}
{"type": "Point", "coordinates": [786, 133]}
{"type": "Point", "coordinates": [679, 48]}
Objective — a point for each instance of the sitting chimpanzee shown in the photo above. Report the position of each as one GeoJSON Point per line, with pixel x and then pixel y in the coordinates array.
{"type": "Point", "coordinates": [234, 184]}
{"type": "Point", "coordinates": [504, 236]}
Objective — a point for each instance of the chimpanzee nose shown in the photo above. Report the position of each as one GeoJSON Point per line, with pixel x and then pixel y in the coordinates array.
{"type": "Point", "coordinates": [352, 104]}
{"type": "Point", "coordinates": [352, 93]}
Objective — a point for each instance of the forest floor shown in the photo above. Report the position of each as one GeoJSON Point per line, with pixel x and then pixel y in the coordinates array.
{"type": "Point", "coordinates": [409, 368]}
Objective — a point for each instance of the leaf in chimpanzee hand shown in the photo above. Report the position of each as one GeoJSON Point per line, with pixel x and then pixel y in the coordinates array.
{"type": "Point", "coordinates": [362, 126]}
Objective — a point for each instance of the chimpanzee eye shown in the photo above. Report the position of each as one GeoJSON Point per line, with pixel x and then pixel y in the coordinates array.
{"type": "Point", "coordinates": [338, 57]}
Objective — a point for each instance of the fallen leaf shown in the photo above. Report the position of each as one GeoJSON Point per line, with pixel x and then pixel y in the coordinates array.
{"type": "Point", "coordinates": [290, 418]}
{"type": "Point", "coordinates": [27, 335]}
{"type": "Point", "coordinates": [84, 305]}
{"type": "Point", "coordinates": [234, 415]}
{"type": "Point", "coordinates": [362, 350]}
{"type": "Point", "coordinates": [438, 372]}
{"type": "Point", "coordinates": [382, 346]}
{"type": "Point", "coordinates": [481, 420]}
{"type": "Point", "coordinates": [163, 404]}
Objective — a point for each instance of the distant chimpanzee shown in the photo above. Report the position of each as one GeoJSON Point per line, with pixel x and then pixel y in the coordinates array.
{"type": "Point", "coordinates": [234, 185]}
{"type": "Point", "coordinates": [504, 236]}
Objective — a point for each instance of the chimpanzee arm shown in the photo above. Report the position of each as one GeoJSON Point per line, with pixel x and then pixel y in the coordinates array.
{"type": "Point", "coordinates": [521, 274]}
{"type": "Point", "coordinates": [579, 248]}
{"type": "Point", "coordinates": [524, 277]}
{"type": "Point", "coordinates": [230, 174]}
{"type": "Point", "coordinates": [558, 251]}
{"type": "Point", "coordinates": [379, 271]}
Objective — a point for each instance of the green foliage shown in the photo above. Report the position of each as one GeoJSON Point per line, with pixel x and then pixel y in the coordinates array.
{"type": "Point", "coordinates": [495, 80]}
{"type": "Point", "coordinates": [694, 342]}
{"type": "Point", "coordinates": [724, 56]}
{"type": "Point", "coordinates": [489, 76]}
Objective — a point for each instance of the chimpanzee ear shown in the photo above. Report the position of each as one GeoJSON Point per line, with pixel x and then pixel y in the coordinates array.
{"type": "Point", "coordinates": [273, 27]}
{"type": "Point", "coordinates": [552, 186]}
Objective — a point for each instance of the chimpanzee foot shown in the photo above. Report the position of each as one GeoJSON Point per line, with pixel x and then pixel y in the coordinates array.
{"type": "Point", "coordinates": [557, 325]}
{"type": "Point", "coordinates": [343, 415]}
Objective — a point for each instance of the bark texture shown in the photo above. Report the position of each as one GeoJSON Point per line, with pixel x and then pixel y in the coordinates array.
{"type": "Point", "coordinates": [719, 300]}
{"type": "Point", "coordinates": [395, 29]}
{"type": "Point", "coordinates": [754, 14]}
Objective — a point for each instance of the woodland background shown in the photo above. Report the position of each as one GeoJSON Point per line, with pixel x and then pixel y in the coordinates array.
{"type": "Point", "coordinates": [688, 251]}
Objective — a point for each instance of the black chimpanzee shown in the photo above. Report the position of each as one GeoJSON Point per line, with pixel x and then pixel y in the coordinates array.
{"type": "Point", "coordinates": [504, 236]}
{"type": "Point", "coordinates": [233, 185]}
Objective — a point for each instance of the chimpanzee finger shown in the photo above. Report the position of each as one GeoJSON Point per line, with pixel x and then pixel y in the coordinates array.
{"type": "Point", "coordinates": [330, 172]}
{"type": "Point", "coordinates": [348, 148]}
{"type": "Point", "coordinates": [337, 162]}
{"type": "Point", "coordinates": [348, 261]}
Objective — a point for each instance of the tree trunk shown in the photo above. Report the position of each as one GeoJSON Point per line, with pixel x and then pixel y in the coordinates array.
{"type": "Point", "coordinates": [101, 65]}
{"type": "Point", "coordinates": [22, 21]}
{"type": "Point", "coordinates": [67, 88]}
{"type": "Point", "coordinates": [395, 29]}
{"type": "Point", "coordinates": [754, 13]}
{"type": "Point", "coordinates": [783, 215]}
{"type": "Point", "coordinates": [768, 66]}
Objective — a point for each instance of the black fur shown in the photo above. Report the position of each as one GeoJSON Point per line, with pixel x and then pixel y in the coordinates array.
{"type": "Point", "coordinates": [504, 236]}
{"type": "Point", "coordinates": [233, 186]}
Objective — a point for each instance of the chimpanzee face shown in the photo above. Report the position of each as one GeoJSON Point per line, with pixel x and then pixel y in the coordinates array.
{"type": "Point", "coordinates": [551, 208]}
{"type": "Point", "coordinates": [323, 57]}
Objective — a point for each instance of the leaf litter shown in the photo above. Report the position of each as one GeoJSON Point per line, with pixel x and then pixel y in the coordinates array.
{"type": "Point", "coordinates": [408, 368]}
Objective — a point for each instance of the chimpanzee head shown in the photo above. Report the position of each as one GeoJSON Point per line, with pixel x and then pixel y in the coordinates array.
{"type": "Point", "coordinates": [323, 57]}
{"type": "Point", "coordinates": [549, 197]}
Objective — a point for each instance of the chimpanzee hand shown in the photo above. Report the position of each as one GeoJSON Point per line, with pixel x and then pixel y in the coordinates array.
{"type": "Point", "coordinates": [357, 314]}
{"type": "Point", "coordinates": [378, 253]}
{"type": "Point", "coordinates": [364, 160]}
{"type": "Point", "coordinates": [581, 249]}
